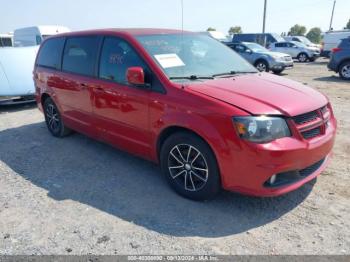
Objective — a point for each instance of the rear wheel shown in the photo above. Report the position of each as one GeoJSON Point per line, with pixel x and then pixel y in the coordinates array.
{"type": "Point", "coordinates": [303, 57]}
{"type": "Point", "coordinates": [344, 70]}
{"type": "Point", "coordinates": [190, 166]}
{"type": "Point", "coordinates": [262, 66]}
{"type": "Point", "coordinates": [53, 119]}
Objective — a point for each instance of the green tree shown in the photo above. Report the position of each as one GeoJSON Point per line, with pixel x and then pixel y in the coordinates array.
{"type": "Point", "coordinates": [348, 25]}
{"type": "Point", "coordinates": [297, 30]}
{"type": "Point", "coordinates": [314, 35]}
{"type": "Point", "coordinates": [211, 29]}
{"type": "Point", "coordinates": [235, 30]}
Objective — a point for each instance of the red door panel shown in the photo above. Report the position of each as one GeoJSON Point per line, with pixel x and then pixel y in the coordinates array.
{"type": "Point", "coordinates": [121, 116]}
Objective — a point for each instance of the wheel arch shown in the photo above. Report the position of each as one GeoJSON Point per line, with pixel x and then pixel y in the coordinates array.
{"type": "Point", "coordinates": [43, 98]}
{"type": "Point", "coordinates": [342, 62]}
{"type": "Point", "coordinates": [170, 130]}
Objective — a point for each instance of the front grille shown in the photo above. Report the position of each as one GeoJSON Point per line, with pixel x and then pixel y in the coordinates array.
{"type": "Point", "coordinates": [311, 169]}
{"type": "Point", "coordinates": [304, 118]}
{"type": "Point", "coordinates": [293, 176]}
{"type": "Point", "coordinates": [314, 123]}
{"type": "Point", "coordinates": [311, 133]}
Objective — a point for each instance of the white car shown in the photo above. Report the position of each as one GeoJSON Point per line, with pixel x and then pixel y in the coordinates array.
{"type": "Point", "coordinates": [16, 77]}
{"type": "Point", "coordinates": [296, 50]}
{"type": "Point", "coordinates": [331, 40]}
{"type": "Point", "coordinates": [302, 39]}
{"type": "Point", "coordinates": [34, 35]}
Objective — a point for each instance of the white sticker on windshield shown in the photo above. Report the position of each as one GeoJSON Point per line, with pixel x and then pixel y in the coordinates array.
{"type": "Point", "coordinates": [169, 60]}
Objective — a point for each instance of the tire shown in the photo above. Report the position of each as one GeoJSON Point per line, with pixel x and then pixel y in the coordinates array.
{"type": "Point", "coordinates": [344, 70]}
{"type": "Point", "coordinates": [53, 119]}
{"type": "Point", "coordinates": [262, 66]}
{"type": "Point", "coordinates": [190, 166]}
{"type": "Point", "coordinates": [277, 72]}
{"type": "Point", "coordinates": [303, 57]}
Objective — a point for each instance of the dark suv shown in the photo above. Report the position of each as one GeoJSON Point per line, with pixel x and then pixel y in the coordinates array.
{"type": "Point", "coordinates": [340, 59]}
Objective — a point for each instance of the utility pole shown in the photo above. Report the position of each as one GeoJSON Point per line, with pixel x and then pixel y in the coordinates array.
{"type": "Point", "coordinates": [330, 25]}
{"type": "Point", "coordinates": [264, 21]}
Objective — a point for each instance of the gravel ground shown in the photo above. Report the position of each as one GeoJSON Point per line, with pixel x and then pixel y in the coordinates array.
{"type": "Point", "coordinates": [79, 196]}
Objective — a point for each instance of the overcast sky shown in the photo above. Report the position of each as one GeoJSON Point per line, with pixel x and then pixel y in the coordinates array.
{"type": "Point", "coordinates": [198, 14]}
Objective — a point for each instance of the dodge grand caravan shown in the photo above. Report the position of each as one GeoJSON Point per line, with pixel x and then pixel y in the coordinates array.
{"type": "Point", "coordinates": [189, 103]}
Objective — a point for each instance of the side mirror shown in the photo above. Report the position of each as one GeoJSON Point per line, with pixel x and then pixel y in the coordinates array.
{"type": "Point", "coordinates": [135, 76]}
{"type": "Point", "coordinates": [248, 51]}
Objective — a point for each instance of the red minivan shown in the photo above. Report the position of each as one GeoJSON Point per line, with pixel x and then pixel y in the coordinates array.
{"type": "Point", "coordinates": [189, 103]}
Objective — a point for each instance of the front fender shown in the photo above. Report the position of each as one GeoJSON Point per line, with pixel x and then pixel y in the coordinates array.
{"type": "Point", "coordinates": [213, 134]}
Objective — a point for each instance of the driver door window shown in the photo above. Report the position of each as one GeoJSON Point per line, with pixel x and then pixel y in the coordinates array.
{"type": "Point", "coordinates": [116, 57]}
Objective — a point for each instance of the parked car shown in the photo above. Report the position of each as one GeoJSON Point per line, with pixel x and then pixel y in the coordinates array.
{"type": "Point", "coordinates": [188, 102]}
{"type": "Point", "coordinates": [340, 59]}
{"type": "Point", "coordinates": [296, 50]}
{"type": "Point", "coordinates": [261, 39]}
{"type": "Point", "coordinates": [331, 40]}
{"type": "Point", "coordinates": [34, 35]}
{"type": "Point", "coordinates": [263, 59]}
{"type": "Point", "coordinates": [302, 39]}
{"type": "Point", "coordinates": [16, 78]}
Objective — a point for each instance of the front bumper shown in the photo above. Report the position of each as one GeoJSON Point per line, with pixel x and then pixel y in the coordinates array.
{"type": "Point", "coordinates": [255, 164]}
{"type": "Point", "coordinates": [282, 65]}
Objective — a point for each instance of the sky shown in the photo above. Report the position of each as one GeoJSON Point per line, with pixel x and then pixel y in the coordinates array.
{"type": "Point", "coordinates": [198, 14]}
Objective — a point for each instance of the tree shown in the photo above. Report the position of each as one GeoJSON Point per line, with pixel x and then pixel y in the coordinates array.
{"type": "Point", "coordinates": [297, 30]}
{"type": "Point", "coordinates": [211, 29]}
{"type": "Point", "coordinates": [235, 30]}
{"type": "Point", "coordinates": [314, 35]}
{"type": "Point", "coordinates": [348, 25]}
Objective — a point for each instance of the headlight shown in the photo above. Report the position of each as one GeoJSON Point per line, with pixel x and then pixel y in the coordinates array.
{"type": "Point", "coordinates": [261, 129]}
{"type": "Point", "coordinates": [278, 58]}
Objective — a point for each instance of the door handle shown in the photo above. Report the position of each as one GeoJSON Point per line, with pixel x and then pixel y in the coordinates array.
{"type": "Point", "coordinates": [84, 86]}
{"type": "Point", "coordinates": [99, 89]}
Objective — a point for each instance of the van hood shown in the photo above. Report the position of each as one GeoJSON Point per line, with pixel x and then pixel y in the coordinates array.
{"type": "Point", "coordinates": [262, 93]}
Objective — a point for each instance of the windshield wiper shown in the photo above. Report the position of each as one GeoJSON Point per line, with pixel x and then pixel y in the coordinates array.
{"type": "Point", "coordinates": [192, 77]}
{"type": "Point", "coordinates": [233, 73]}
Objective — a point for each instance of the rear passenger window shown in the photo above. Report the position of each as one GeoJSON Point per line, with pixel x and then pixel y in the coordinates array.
{"type": "Point", "coordinates": [50, 53]}
{"type": "Point", "coordinates": [240, 48]}
{"type": "Point", "coordinates": [116, 57]}
{"type": "Point", "coordinates": [80, 54]}
{"type": "Point", "coordinates": [280, 45]}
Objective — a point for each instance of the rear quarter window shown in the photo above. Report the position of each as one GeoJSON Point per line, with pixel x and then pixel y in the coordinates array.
{"type": "Point", "coordinates": [50, 53]}
{"type": "Point", "coordinates": [80, 54]}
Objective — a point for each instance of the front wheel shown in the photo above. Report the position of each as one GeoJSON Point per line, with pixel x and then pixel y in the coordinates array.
{"type": "Point", "coordinates": [190, 166]}
{"type": "Point", "coordinates": [262, 66]}
{"type": "Point", "coordinates": [344, 70]}
{"type": "Point", "coordinates": [53, 119]}
{"type": "Point", "coordinates": [302, 57]}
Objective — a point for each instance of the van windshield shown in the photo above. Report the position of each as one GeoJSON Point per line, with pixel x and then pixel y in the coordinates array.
{"type": "Point", "coordinates": [304, 40]}
{"type": "Point", "coordinates": [193, 56]}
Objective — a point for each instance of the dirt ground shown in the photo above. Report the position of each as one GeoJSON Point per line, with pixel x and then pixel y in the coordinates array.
{"type": "Point", "coordinates": [79, 196]}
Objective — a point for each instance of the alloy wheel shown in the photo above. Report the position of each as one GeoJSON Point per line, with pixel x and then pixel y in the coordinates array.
{"type": "Point", "coordinates": [53, 119]}
{"type": "Point", "coordinates": [302, 57]}
{"type": "Point", "coordinates": [261, 67]}
{"type": "Point", "coordinates": [188, 167]}
{"type": "Point", "coordinates": [345, 71]}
